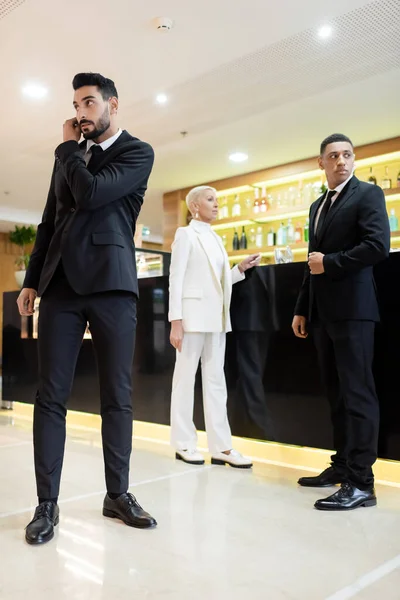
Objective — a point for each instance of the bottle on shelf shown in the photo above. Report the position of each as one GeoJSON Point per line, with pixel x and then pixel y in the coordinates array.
{"type": "Point", "coordinates": [236, 209]}
{"type": "Point", "coordinates": [292, 195]}
{"type": "Point", "coordinates": [307, 231]}
{"type": "Point", "coordinates": [243, 240]}
{"type": "Point", "coordinates": [393, 221]}
{"type": "Point", "coordinates": [252, 237]}
{"type": "Point", "coordinates": [271, 238]}
{"type": "Point", "coordinates": [256, 205]}
{"type": "Point", "coordinates": [386, 183]}
{"type": "Point", "coordinates": [371, 178]}
{"type": "Point", "coordinates": [264, 201]}
{"type": "Point", "coordinates": [281, 236]}
{"type": "Point", "coordinates": [224, 211]}
{"type": "Point", "coordinates": [298, 234]}
{"type": "Point", "coordinates": [290, 232]}
{"type": "Point", "coordinates": [248, 204]}
{"type": "Point", "coordinates": [235, 242]}
{"type": "Point", "coordinates": [259, 237]}
{"type": "Point", "coordinates": [299, 194]}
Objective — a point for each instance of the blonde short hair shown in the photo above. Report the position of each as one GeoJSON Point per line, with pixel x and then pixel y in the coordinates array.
{"type": "Point", "coordinates": [194, 194]}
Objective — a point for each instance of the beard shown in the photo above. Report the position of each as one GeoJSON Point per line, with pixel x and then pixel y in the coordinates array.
{"type": "Point", "coordinates": [99, 128]}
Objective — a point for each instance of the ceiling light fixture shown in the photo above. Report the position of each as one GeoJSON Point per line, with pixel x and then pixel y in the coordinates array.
{"type": "Point", "coordinates": [325, 32]}
{"type": "Point", "coordinates": [35, 91]}
{"type": "Point", "coordinates": [238, 157]}
{"type": "Point", "coordinates": [161, 99]}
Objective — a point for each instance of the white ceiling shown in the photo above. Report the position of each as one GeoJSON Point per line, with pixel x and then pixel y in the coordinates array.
{"type": "Point", "coordinates": [249, 76]}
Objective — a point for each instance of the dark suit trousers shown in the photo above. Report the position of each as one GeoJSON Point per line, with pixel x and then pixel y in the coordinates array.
{"type": "Point", "coordinates": [63, 318]}
{"type": "Point", "coordinates": [345, 352]}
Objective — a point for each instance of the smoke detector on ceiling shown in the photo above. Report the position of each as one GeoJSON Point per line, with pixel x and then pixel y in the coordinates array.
{"type": "Point", "coordinates": [163, 23]}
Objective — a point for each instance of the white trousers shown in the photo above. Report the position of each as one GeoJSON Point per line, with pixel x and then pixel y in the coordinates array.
{"type": "Point", "coordinates": [210, 348]}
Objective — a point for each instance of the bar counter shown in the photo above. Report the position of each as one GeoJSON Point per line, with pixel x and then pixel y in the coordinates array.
{"type": "Point", "coordinates": [290, 408]}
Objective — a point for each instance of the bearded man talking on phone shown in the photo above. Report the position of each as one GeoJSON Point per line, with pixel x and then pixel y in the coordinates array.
{"type": "Point", "coordinates": [83, 267]}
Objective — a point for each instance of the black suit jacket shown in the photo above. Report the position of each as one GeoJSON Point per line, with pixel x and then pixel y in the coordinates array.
{"type": "Point", "coordinates": [355, 236]}
{"type": "Point", "coordinates": [90, 218]}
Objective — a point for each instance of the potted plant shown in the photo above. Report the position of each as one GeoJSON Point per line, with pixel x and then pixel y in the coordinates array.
{"type": "Point", "coordinates": [22, 236]}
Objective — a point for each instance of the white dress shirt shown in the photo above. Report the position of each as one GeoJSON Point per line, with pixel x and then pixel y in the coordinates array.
{"type": "Point", "coordinates": [337, 189]}
{"type": "Point", "coordinates": [104, 145]}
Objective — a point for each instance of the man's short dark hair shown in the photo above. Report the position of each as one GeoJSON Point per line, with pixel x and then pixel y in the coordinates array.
{"type": "Point", "coordinates": [106, 86]}
{"type": "Point", "coordinates": [335, 137]}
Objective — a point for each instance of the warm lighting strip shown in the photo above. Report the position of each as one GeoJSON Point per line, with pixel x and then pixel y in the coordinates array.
{"type": "Point", "coordinates": [377, 160]}
{"type": "Point", "coordinates": [267, 253]}
{"type": "Point", "coordinates": [283, 215]}
{"type": "Point", "coordinates": [290, 179]}
{"type": "Point", "coordinates": [235, 190]}
{"type": "Point", "coordinates": [233, 224]}
{"type": "Point", "coordinates": [393, 198]}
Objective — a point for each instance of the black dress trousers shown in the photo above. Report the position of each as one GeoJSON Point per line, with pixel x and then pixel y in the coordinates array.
{"type": "Point", "coordinates": [63, 318]}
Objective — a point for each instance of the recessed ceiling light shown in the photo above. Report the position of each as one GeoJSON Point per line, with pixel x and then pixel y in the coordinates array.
{"type": "Point", "coordinates": [35, 90]}
{"type": "Point", "coordinates": [325, 32]}
{"type": "Point", "coordinates": [161, 99]}
{"type": "Point", "coordinates": [238, 157]}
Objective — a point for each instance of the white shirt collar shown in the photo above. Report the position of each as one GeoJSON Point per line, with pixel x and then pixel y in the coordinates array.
{"type": "Point", "coordinates": [200, 226]}
{"type": "Point", "coordinates": [104, 145]}
{"type": "Point", "coordinates": [340, 187]}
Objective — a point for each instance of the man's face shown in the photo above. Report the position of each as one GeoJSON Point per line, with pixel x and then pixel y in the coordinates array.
{"type": "Point", "coordinates": [92, 111]}
{"type": "Point", "coordinates": [338, 163]}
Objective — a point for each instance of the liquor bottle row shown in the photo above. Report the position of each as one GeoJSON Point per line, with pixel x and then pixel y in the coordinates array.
{"type": "Point", "coordinates": [386, 182]}
{"type": "Point", "coordinates": [299, 196]}
{"type": "Point", "coordinates": [257, 238]}
{"type": "Point", "coordinates": [286, 234]}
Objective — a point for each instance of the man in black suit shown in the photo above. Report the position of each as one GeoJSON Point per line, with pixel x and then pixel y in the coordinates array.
{"type": "Point", "coordinates": [349, 233]}
{"type": "Point", "coordinates": [83, 266]}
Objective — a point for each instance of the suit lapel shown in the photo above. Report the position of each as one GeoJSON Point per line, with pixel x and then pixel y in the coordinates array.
{"type": "Point", "coordinates": [206, 243]}
{"type": "Point", "coordinates": [340, 201]}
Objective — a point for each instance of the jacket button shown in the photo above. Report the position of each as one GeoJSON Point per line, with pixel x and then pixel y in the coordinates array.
{"type": "Point", "coordinates": [72, 210]}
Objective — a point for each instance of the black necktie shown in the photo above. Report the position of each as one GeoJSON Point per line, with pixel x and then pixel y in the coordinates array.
{"type": "Point", "coordinates": [95, 157]}
{"type": "Point", "coordinates": [324, 211]}
{"type": "Point", "coordinates": [96, 150]}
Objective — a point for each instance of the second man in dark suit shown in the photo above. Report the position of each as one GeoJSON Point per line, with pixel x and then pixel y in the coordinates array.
{"type": "Point", "coordinates": [349, 234]}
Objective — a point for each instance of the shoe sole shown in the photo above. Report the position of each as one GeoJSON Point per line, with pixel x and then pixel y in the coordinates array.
{"type": "Point", "coordinates": [321, 485]}
{"type": "Point", "coordinates": [366, 504]}
{"type": "Point", "coordinates": [222, 463]}
{"type": "Point", "coordinates": [112, 515]}
{"type": "Point", "coordinates": [41, 542]}
{"type": "Point", "coordinates": [189, 462]}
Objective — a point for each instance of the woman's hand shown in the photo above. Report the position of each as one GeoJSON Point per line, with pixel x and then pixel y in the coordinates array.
{"type": "Point", "coordinates": [251, 261]}
{"type": "Point", "coordinates": [176, 335]}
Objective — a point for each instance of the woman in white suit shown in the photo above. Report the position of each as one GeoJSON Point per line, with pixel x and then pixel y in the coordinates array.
{"type": "Point", "coordinates": [199, 300]}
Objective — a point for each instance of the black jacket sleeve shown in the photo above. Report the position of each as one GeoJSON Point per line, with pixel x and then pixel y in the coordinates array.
{"type": "Point", "coordinates": [303, 299]}
{"type": "Point", "coordinates": [44, 235]}
{"type": "Point", "coordinates": [124, 175]}
{"type": "Point", "coordinates": [375, 238]}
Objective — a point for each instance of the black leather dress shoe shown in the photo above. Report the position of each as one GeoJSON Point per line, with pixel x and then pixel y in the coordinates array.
{"type": "Point", "coordinates": [127, 508]}
{"type": "Point", "coordinates": [347, 498]}
{"type": "Point", "coordinates": [325, 479]}
{"type": "Point", "coordinates": [41, 529]}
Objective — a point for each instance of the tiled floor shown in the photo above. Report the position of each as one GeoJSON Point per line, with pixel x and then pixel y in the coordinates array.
{"type": "Point", "coordinates": [223, 534]}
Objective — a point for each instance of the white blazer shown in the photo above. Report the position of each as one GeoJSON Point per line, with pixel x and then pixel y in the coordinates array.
{"type": "Point", "coordinates": [196, 293]}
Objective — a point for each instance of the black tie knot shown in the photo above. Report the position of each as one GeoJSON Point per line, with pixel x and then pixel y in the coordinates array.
{"type": "Point", "coordinates": [96, 150]}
